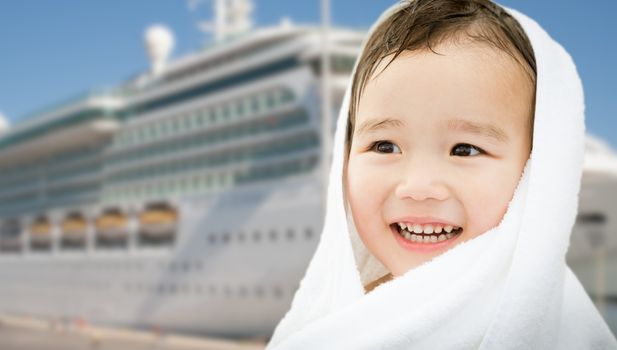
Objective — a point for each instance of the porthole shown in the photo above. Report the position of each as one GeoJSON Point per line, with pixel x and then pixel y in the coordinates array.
{"type": "Point", "coordinates": [591, 218]}
{"type": "Point", "coordinates": [257, 236]}
{"type": "Point", "coordinates": [212, 290]}
{"type": "Point", "coordinates": [308, 233]}
{"type": "Point", "coordinates": [273, 235]}
{"type": "Point", "coordinates": [225, 237]}
{"type": "Point", "coordinates": [290, 234]}
{"type": "Point", "coordinates": [212, 239]}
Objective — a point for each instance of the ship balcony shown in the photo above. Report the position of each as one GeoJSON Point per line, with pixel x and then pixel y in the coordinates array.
{"type": "Point", "coordinates": [56, 141]}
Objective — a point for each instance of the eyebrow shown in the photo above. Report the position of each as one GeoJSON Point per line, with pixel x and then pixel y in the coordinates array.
{"type": "Point", "coordinates": [373, 125]}
{"type": "Point", "coordinates": [478, 128]}
{"type": "Point", "coordinates": [463, 125]}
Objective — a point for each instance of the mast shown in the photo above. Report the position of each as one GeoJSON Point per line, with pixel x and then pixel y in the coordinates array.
{"type": "Point", "coordinates": [231, 17]}
{"type": "Point", "coordinates": [326, 101]}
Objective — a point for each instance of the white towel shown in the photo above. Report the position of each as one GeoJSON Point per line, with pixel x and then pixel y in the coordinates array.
{"type": "Point", "coordinates": [508, 288]}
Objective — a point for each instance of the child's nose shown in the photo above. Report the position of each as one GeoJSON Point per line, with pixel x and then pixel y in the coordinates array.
{"type": "Point", "coordinates": [421, 183]}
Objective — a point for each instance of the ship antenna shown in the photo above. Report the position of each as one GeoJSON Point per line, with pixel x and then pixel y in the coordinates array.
{"type": "Point", "coordinates": [326, 101]}
{"type": "Point", "coordinates": [231, 18]}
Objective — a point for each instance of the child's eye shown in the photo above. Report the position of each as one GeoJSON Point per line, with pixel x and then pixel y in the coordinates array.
{"type": "Point", "coordinates": [385, 147]}
{"type": "Point", "coordinates": [466, 150]}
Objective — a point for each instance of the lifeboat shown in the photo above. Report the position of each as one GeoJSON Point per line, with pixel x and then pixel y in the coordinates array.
{"type": "Point", "coordinates": [74, 229]}
{"type": "Point", "coordinates": [157, 224]}
{"type": "Point", "coordinates": [112, 228]}
{"type": "Point", "coordinates": [40, 234]}
{"type": "Point", "coordinates": [10, 236]}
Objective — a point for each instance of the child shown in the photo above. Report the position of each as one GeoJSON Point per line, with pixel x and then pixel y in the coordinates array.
{"type": "Point", "coordinates": [457, 228]}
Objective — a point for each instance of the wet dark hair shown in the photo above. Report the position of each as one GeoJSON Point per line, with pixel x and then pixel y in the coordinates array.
{"type": "Point", "coordinates": [424, 24]}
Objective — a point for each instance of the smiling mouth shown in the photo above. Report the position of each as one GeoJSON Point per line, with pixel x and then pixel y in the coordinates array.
{"type": "Point", "coordinates": [428, 236]}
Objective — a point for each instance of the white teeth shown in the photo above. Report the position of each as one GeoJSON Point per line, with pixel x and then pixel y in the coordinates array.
{"type": "Point", "coordinates": [424, 234]}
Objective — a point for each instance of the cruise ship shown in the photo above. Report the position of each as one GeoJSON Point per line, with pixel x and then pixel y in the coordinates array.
{"type": "Point", "coordinates": [190, 198]}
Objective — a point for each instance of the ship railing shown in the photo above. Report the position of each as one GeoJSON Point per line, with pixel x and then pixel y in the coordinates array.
{"type": "Point", "coordinates": [211, 149]}
{"type": "Point", "coordinates": [73, 100]}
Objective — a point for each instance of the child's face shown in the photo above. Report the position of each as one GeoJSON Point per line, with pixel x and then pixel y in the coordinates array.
{"type": "Point", "coordinates": [440, 142]}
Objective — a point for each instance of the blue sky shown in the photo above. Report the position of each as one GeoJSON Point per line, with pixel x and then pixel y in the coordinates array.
{"type": "Point", "coordinates": [53, 50]}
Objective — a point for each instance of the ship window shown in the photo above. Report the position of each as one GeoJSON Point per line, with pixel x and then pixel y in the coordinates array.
{"type": "Point", "coordinates": [225, 237]}
{"type": "Point", "coordinates": [278, 292]}
{"type": "Point", "coordinates": [308, 233]}
{"type": "Point", "coordinates": [273, 235]}
{"type": "Point", "coordinates": [220, 112]}
{"type": "Point", "coordinates": [287, 96]}
{"type": "Point", "coordinates": [240, 108]}
{"type": "Point", "coordinates": [290, 234]}
{"type": "Point", "coordinates": [591, 218]}
{"type": "Point", "coordinates": [257, 236]}
{"type": "Point", "coordinates": [270, 99]}
{"type": "Point", "coordinates": [212, 238]}
{"type": "Point", "coordinates": [259, 292]}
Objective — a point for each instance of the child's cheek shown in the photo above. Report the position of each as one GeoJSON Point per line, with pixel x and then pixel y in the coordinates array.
{"type": "Point", "coordinates": [487, 200]}
{"type": "Point", "coordinates": [366, 192]}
